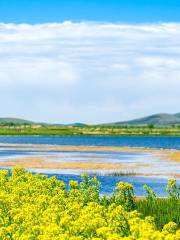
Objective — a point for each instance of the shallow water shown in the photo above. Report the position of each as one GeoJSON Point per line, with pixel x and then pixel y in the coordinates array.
{"type": "Point", "coordinates": [124, 158]}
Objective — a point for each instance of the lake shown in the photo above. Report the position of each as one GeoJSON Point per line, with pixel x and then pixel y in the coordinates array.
{"type": "Point", "coordinates": [139, 141]}
{"type": "Point", "coordinates": [95, 155]}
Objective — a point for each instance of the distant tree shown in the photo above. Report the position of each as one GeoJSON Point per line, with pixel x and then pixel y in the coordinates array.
{"type": "Point", "coordinates": [11, 124]}
{"type": "Point", "coordinates": [150, 126]}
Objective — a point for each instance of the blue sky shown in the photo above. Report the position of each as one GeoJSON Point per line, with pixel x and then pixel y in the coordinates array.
{"type": "Point", "coordinates": [39, 11]}
{"type": "Point", "coordinates": [89, 61]}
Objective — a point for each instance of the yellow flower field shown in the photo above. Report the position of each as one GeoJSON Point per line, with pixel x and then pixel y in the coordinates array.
{"type": "Point", "coordinates": [35, 207]}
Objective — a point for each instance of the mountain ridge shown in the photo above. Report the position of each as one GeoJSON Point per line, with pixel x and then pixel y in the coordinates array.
{"type": "Point", "coordinates": [8, 120]}
{"type": "Point", "coordinates": [155, 119]}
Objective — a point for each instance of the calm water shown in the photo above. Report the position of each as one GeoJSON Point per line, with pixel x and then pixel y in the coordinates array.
{"type": "Point", "coordinates": [147, 142]}
{"type": "Point", "coordinates": [107, 182]}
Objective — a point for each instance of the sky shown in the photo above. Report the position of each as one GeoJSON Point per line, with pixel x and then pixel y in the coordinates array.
{"type": "Point", "coordinates": [132, 11]}
{"type": "Point", "coordinates": [89, 61]}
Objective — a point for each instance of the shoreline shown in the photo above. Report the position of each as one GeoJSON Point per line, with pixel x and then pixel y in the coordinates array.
{"type": "Point", "coordinates": [89, 164]}
{"type": "Point", "coordinates": [88, 135]}
{"type": "Point", "coordinates": [173, 154]}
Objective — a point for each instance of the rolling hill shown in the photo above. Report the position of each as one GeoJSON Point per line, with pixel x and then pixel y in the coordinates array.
{"type": "Point", "coordinates": [14, 121]}
{"type": "Point", "coordinates": [156, 119]}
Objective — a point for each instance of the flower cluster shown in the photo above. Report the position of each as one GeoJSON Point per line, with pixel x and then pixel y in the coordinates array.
{"type": "Point", "coordinates": [35, 207]}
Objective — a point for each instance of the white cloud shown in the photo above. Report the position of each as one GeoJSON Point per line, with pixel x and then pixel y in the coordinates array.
{"type": "Point", "coordinates": [92, 72]}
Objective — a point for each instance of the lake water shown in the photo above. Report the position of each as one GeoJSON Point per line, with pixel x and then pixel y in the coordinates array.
{"type": "Point", "coordinates": [146, 142]}
{"type": "Point", "coordinates": [107, 182]}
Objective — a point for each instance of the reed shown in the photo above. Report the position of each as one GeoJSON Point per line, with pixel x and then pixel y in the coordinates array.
{"type": "Point", "coordinates": [121, 173]}
{"type": "Point", "coordinates": [113, 174]}
{"type": "Point", "coordinates": [163, 210]}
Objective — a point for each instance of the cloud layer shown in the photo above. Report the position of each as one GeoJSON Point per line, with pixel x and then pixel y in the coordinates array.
{"type": "Point", "coordinates": [90, 72]}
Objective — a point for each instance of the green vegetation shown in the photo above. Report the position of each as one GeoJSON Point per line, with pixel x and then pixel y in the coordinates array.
{"type": "Point", "coordinates": [162, 209]}
{"type": "Point", "coordinates": [154, 125]}
{"type": "Point", "coordinates": [35, 207]}
{"type": "Point", "coordinates": [57, 130]}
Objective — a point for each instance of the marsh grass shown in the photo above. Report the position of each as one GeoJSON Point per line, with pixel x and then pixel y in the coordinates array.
{"type": "Point", "coordinates": [117, 174]}
{"type": "Point", "coordinates": [163, 210]}
{"type": "Point", "coordinates": [113, 174]}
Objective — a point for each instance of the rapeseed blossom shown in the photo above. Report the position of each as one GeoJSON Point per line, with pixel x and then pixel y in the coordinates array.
{"type": "Point", "coordinates": [35, 207]}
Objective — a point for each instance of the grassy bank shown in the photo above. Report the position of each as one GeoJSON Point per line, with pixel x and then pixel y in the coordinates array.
{"type": "Point", "coordinates": [47, 130]}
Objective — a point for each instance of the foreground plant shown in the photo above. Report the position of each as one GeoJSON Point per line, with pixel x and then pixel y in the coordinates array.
{"type": "Point", "coordinates": [173, 190]}
{"type": "Point", "coordinates": [35, 207]}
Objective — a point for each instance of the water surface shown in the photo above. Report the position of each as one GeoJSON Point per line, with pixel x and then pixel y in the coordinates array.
{"type": "Point", "coordinates": [130, 141]}
{"type": "Point", "coordinates": [124, 158]}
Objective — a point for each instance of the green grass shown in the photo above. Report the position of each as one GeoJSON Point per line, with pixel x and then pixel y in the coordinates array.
{"type": "Point", "coordinates": [48, 130]}
{"type": "Point", "coordinates": [163, 210]}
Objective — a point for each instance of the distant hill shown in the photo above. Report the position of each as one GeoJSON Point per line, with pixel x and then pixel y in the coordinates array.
{"type": "Point", "coordinates": [19, 121]}
{"type": "Point", "coordinates": [14, 121]}
{"type": "Point", "coordinates": [177, 115]}
{"type": "Point", "coordinates": [156, 119]}
{"type": "Point", "coordinates": [76, 125]}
